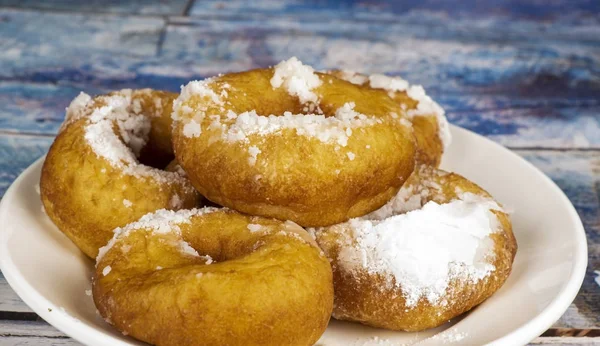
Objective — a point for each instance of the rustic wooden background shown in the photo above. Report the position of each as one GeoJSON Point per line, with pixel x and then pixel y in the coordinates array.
{"type": "Point", "coordinates": [525, 74]}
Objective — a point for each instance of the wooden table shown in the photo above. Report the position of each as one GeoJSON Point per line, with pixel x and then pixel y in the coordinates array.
{"type": "Point", "coordinates": [525, 74]}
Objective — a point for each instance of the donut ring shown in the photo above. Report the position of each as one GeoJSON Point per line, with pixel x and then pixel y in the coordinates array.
{"type": "Point", "coordinates": [402, 268]}
{"type": "Point", "coordinates": [292, 165]}
{"type": "Point", "coordinates": [431, 128]}
{"type": "Point", "coordinates": [258, 281]}
{"type": "Point", "coordinates": [92, 180]}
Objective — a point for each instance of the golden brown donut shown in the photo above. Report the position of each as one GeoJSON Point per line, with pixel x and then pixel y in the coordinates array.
{"type": "Point", "coordinates": [92, 180]}
{"type": "Point", "coordinates": [439, 248]}
{"type": "Point", "coordinates": [214, 277]}
{"type": "Point", "coordinates": [292, 144]}
{"type": "Point", "coordinates": [431, 129]}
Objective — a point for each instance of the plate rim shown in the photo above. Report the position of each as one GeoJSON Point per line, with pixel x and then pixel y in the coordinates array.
{"type": "Point", "coordinates": [561, 302]}
{"type": "Point", "coordinates": [522, 335]}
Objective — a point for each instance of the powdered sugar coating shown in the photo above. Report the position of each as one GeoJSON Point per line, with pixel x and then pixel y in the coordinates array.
{"type": "Point", "coordinates": [421, 247]}
{"type": "Point", "coordinates": [425, 105]}
{"type": "Point", "coordinates": [159, 222]}
{"type": "Point", "coordinates": [335, 129]}
{"type": "Point", "coordinates": [106, 270]}
{"type": "Point", "coordinates": [117, 129]}
{"type": "Point", "coordinates": [252, 227]}
{"type": "Point", "coordinates": [423, 250]}
{"type": "Point", "coordinates": [297, 78]}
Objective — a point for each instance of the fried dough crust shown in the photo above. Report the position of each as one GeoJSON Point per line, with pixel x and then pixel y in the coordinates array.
{"type": "Point", "coordinates": [265, 283]}
{"type": "Point", "coordinates": [294, 177]}
{"type": "Point", "coordinates": [364, 297]}
{"type": "Point", "coordinates": [87, 196]}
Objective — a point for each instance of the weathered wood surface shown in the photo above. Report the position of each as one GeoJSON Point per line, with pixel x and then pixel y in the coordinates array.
{"type": "Point", "coordinates": [525, 74]}
{"type": "Point", "coordinates": [13, 333]}
{"type": "Point", "coordinates": [34, 333]}
{"type": "Point", "coordinates": [524, 89]}
{"type": "Point", "coordinates": [40, 333]}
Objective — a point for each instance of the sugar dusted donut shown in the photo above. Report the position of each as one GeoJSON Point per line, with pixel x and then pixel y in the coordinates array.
{"type": "Point", "coordinates": [431, 128]}
{"type": "Point", "coordinates": [214, 277]}
{"type": "Point", "coordinates": [92, 180]}
{"type": "Point", "coordinates": [289, 143]}
{"type": "Point", "coordinates": [436, 250]}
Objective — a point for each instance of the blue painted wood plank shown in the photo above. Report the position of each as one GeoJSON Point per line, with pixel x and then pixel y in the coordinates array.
{"type": "Point", "coordinates": [446, 63]}
{"type": "Point", "coordinates": [473, 79]}
{"type": "Point", "coordinates": [578, 175]}
{"type": "Point", "coordinates": [16, 154]}
{"type": "Point", "coordinates": [35, 108]}
{"type": "Point", "coordinates": [541, 127]}
{"type": "Point", "coordinates": [171, 7]}
{"type": "Point", "coordinates": [29, 35]}
{"type": "Point", "coordinates": [530, 10]}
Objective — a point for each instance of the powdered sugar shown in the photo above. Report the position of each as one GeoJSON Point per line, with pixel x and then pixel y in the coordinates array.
{"type": "Point", "coordinates": [252, 227]}
{"type": "Point", "coordinates": [297, 78]}
{"type": "Point", "coordinates": [106, 270]}
{"type": "Point", "coordinates": [76, 109]}
{"type": "Point", "coordinates": [127, 203]}
{"type": "Point", "coordinates": [175, 202]}
{"type": "Point", "coordinates": [117, 129]}
{"type": "Point", "coordinates": [381, 81]}
{"type": "Point", "coordinates": [425, 105]}
{"type": "Point", "coordinates": [192, 129]}
{"type": "Point", "coordinates": [253, 151]}
{"type": "Point", "coordinates": [353, 77]}
{"type": "Point", "coordinates": [159, 222]}
{"type": "Point", "coordinates": [422, 251]}
{"type": "Point", "coordinates": [335, 129]}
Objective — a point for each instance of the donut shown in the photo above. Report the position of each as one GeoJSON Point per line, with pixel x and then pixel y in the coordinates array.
{"type": "Point", "coordinates": [436, 250]}
{"type": "Point", "coordinates": [292, 144]}
{"type": "Point", "coordinates": [431, 128]}
{"type": "Point", "coordinates": [214, 277]}
{"type": "Point", "coordinates": [92, 179]}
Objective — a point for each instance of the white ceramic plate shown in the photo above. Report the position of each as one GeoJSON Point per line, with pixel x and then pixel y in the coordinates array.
{"type": "Point", "coordinates": [51, 275]}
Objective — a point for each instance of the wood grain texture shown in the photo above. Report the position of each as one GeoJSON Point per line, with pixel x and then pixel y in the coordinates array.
{"type": "Point", "coordinates": [35, 333]}
{"type": "Point", "coordinates": [30, 36]}
{"type": "Point", "coordinates": [9, 300]}
{"type": "Point", "coordinates": [16, 154]}
{"type": "Point", "coordinates": [376, 9]}
{"type": "Point", "coordinates": [146, 7]}
{"type": "Point", "coordinates": [538, 89]}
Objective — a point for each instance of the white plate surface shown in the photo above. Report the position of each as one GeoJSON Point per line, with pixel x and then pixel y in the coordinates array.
{"type": "Point", "coordinates": [51, 275]}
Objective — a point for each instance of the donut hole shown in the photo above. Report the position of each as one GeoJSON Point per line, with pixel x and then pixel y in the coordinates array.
{"type": "Point", "coordinates": [246, 92]}
{"type": "Point", "coordinates": [225, 236]}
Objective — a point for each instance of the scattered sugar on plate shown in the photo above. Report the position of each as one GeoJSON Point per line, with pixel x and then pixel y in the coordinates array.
{"type": "Point", "coordinates": [88, 293]}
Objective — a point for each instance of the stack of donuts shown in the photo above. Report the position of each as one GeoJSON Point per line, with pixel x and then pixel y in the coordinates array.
{"type": "Point", "coordinates": [251, 207]}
